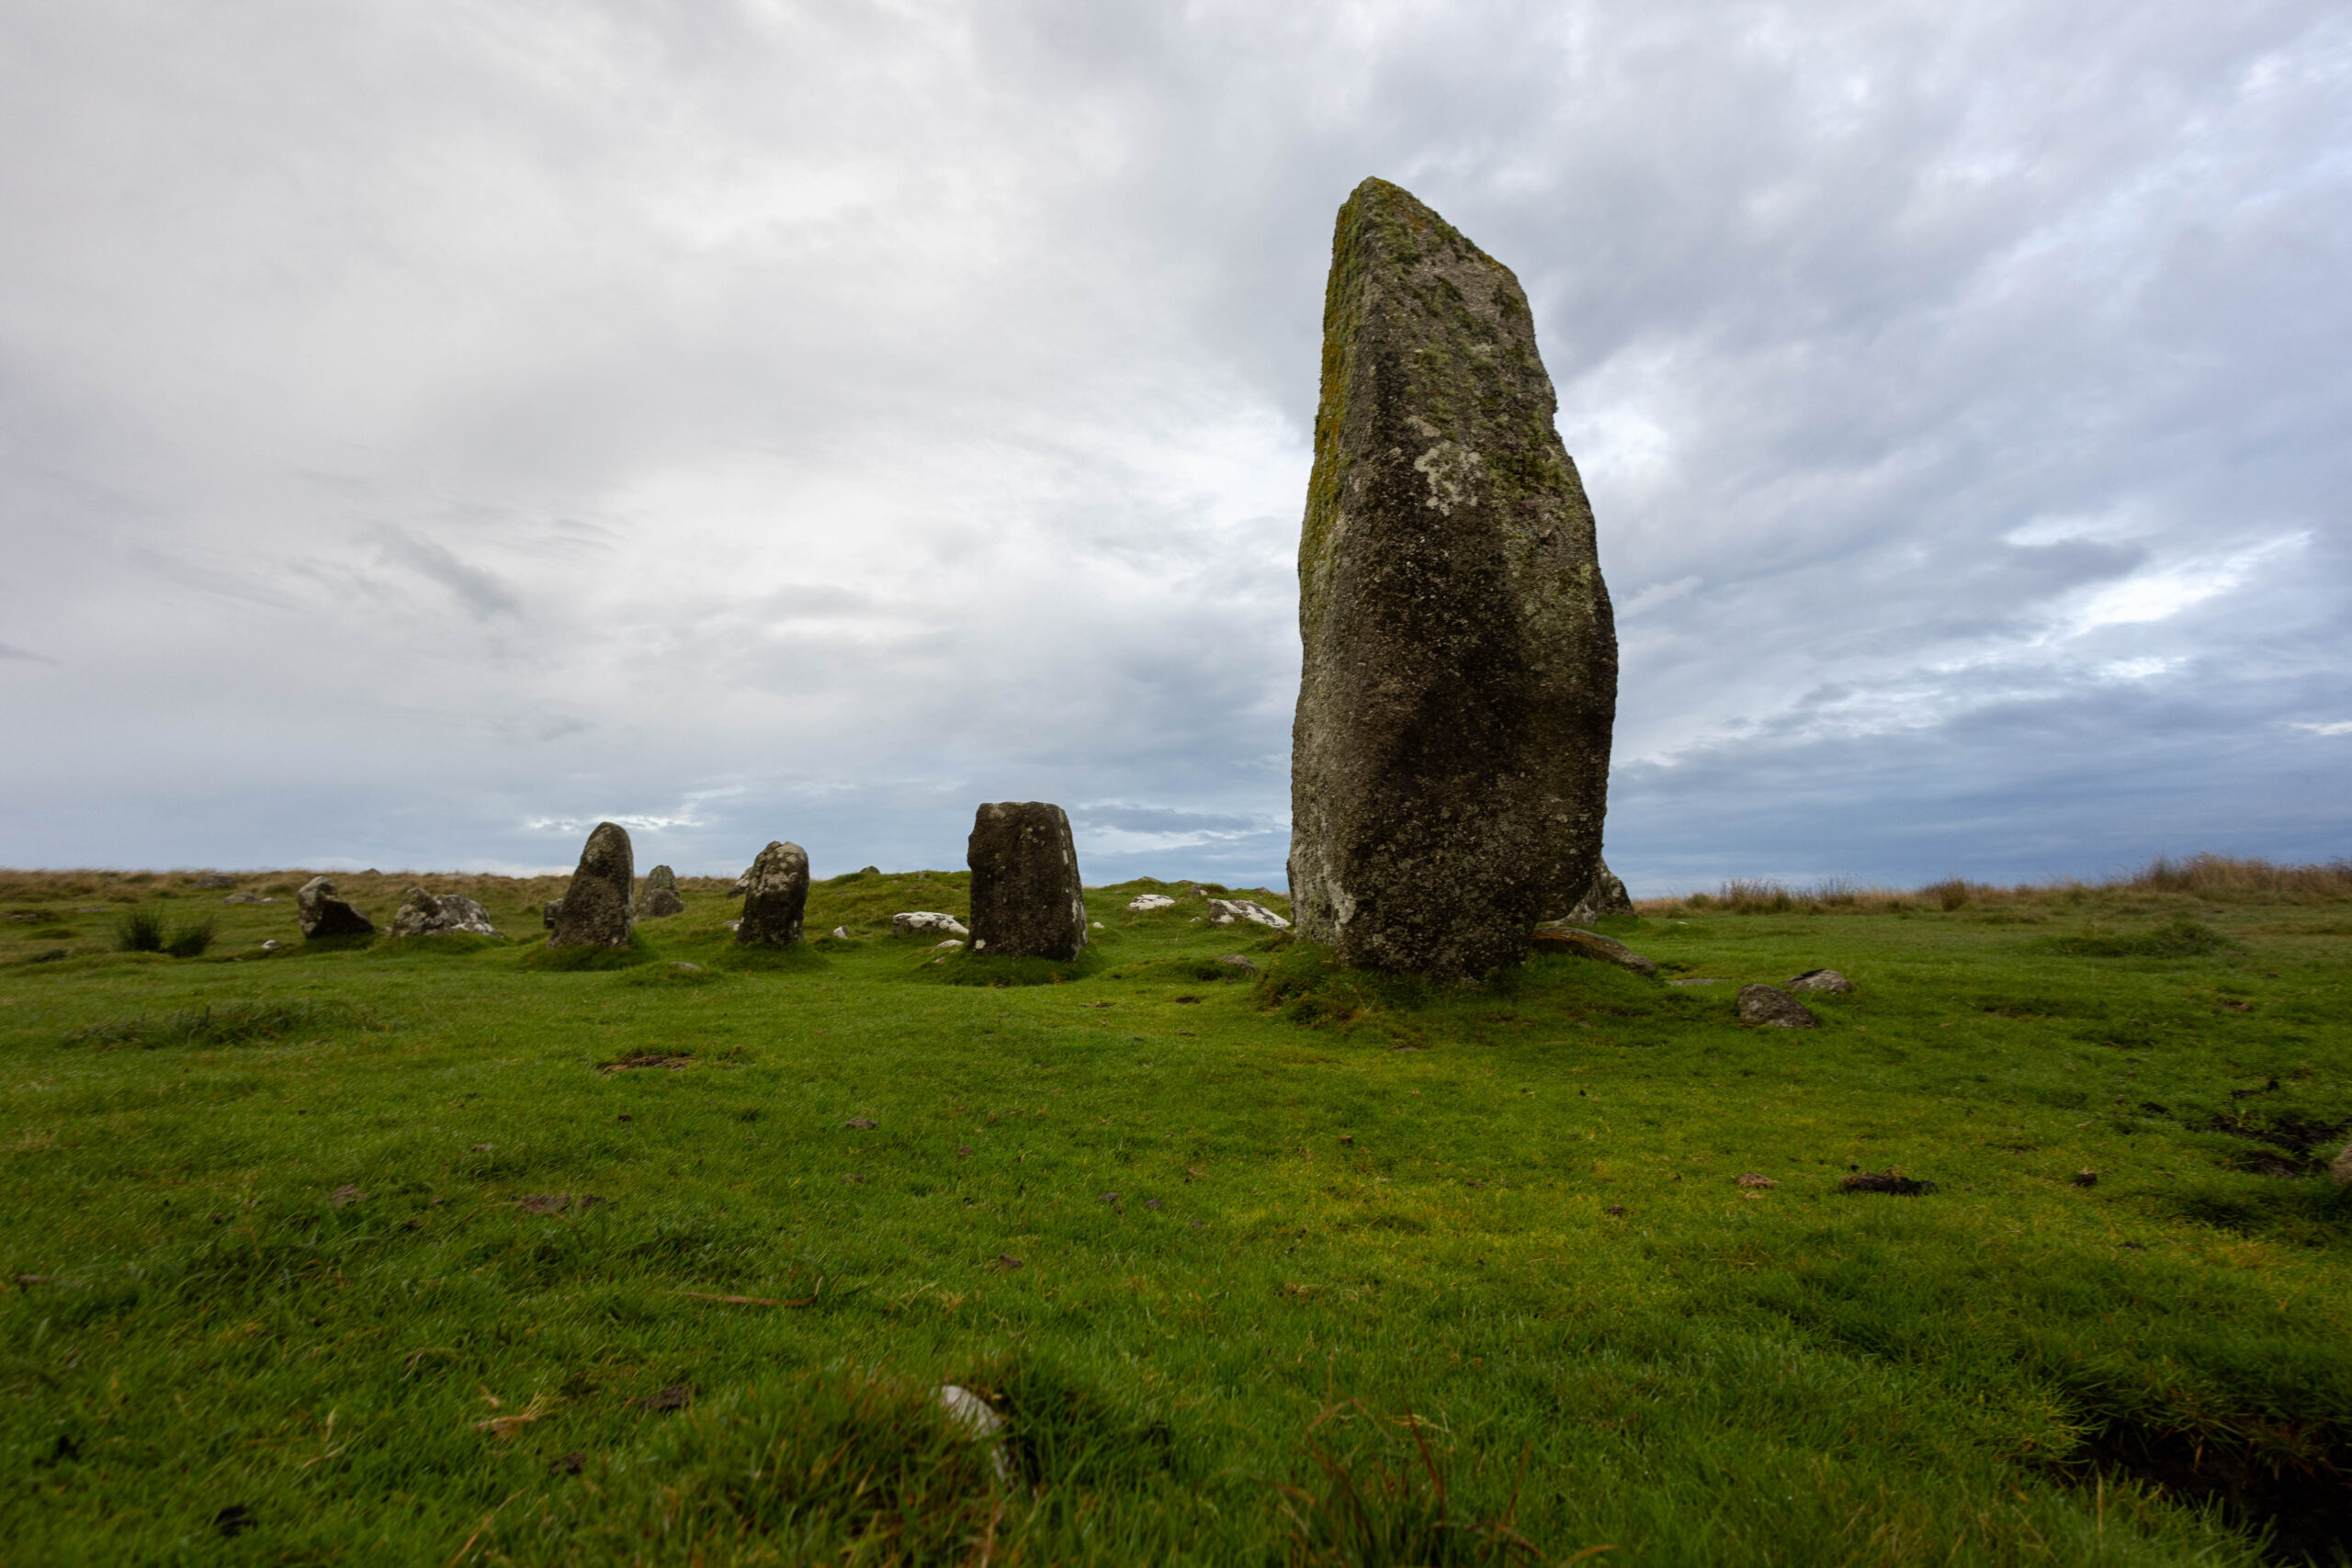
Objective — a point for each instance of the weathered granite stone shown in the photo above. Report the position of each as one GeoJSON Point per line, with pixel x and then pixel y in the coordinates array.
{"type": "Point", "coordinates": [1561, 937]}
{"type": "Point", "coordinates": [600, 907]}
{"type": "Point", "coordinates": [869, 870]}
{"type": "Point", "coordinates": [1450, 758]}
{"type": "Point", "coordinates": [1604, 898]}
{"type": "Point", "coordinates": [549, 911]}
{"type": "Point", "coordinates": [1026, 902]}
{"type": "Point", "coordinates": [427, 914]}
{"type": "Point", "coordinates": [1773, 1009]}
{"type": "Point", "coordinates": [775, 896]}
{"type": "Point", "coordinates": [322, 914]}
{"type": "Point", "coordinates": [922, 922]}
{"type": "Point", "coordinates": [660, 899]}
{"type": "Point", "coordinates": [1225, 911]}
{"type": "Point", "coordinates": [213, 880]}
{"type": "Point", "coordinates": [1828, 980]}
{"type": "Point", "coordinates": [1143, 903]}
{"type": "Point", "coordinates": [2341, 1171]}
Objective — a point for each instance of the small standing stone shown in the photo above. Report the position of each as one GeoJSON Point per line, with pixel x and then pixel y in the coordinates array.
{"type": "Point", "coordinates": [549, 911]}
{"type": "Point", "coordinates": [1771, 1007]}
{"type": "Point", "coordinates": [1026, 899]}
{"type": "Point", "coordinates": [661, 896]}
{"type": "Point", "coordinates": [426, 914]}
{"type": "Point", "coordinates": [775, 896]}
{"type": "Point", "coordinates": [322, 914]}
{"type": "Point", "coordinates": [600, 907]}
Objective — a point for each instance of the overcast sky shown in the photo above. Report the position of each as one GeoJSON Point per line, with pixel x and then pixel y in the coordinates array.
{"type": "Point", "coordinates": [427, 429]}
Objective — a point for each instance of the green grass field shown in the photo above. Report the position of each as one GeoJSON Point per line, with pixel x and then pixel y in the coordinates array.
{"type": "Point", "coordinates": [415, 1252]}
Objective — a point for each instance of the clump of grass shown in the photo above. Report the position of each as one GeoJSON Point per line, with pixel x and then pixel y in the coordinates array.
{"type": "Point", "coordinates": [1309, 987]}
{"type": "Point", "coordinates": [1386, 1501]}
{"type": "Point", "coordinates": [139, 931]}
{"type": "Point", "coordinates": [2224, 877]}
{"type": "Point", "coordinates": [577, 960]}
{"type": "Point", "coordinates": [226, 1023]}
{"type": "Point", "coordinates": [2184, 938]}
{"type": "Point", "coordinates": [190, 940]}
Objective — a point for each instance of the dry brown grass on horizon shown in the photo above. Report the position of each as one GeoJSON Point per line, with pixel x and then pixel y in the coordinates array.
{"type": "Point", "coordinates": [2209, 878]}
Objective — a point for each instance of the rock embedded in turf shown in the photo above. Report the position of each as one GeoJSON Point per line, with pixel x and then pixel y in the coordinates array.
{"type": "Point", "coordinates": [1143, 903]}
{"type": "Point", "coordinates": [922, 922]}
{"type": "Point", "coordinates": [1235, 961]}
{"type": "Point", "coordinates": [1559, 936]}
{"type": "Point", "coordinates": [2340, 1172]}
{"type": "Point", "coordinates": [1757, 1178]}
{"type": "Point", "coordinates": [839, 934]}
{"type": "Point", "coordinates": [1769, 1007]}
{"type": "Point", "coordinates": [322, 914]}
{"type": "Point", "coordinates": [1825, 980]}
{"type": "Point", "coordinates": [430, 914]}
{"type": "Point", "coordinates": [1450, 756]}
{"type": "Point", "coordinates": [659, 899]}
{"type": "Point", "coordinates": [599, 908]}
{"type": "Point", "coordinates": [1026, 899]}
{"type": "Point", "coordinates": [775, 898]}
{"type": "Point", "coordinates": [1226, 912]}
{"type": "Point", "coordinates": [1606, 897]}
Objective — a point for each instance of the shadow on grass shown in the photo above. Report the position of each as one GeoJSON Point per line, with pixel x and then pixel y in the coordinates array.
{"type": "Point", "coordinates": [965, 967]}
{"type": "Point", "coordinates": [579, 960]}
{"type": "Point", "coordinates": [763, 958]}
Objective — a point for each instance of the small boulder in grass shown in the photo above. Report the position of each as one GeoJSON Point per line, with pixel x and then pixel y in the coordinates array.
{"type": "Point", "coordinates": [321, 913]}
{"type": "Point", "coordinates": [922, 922]}
{"type": "Point", "coordinates": [1891, 1181]}
{"type": "Point", "coordinates": [2341, 1171]}
{"type": "Point", "coordinates": [1828, 980]}
{"type": "Point", "coordinates": [1757, 1178]}
{"type": "Point", "coordinates": [1558, 936]}
{"type": "Point", "coordinates": [1235, 961]}
{"type": "Point", "coordinates": [1769, 1007]}
{"type": "Point", "coordinates": [1143, 903]}
{"type": "Point", "coordinates": [1226, 912]}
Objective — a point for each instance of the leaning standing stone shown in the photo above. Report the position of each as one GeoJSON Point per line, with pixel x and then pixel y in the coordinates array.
{"type": "Point", "coordinates": [1026, 902]}
{"type": "Point", "coordinates": [600, 906]}
{"type": "Point", "coordinates": [1450, 759]}
{"type": "Point", "coordinates": [1604, 898]}
{"type": "Point", "coordinates": [661, 896]}
{"type": "Point", "coordinates": [776, 896]}
{"type": "Point", "coordinates": [322, 914]}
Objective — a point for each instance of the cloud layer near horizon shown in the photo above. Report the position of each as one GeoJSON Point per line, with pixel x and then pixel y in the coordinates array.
{"type": "Point", "coordinates": [428, 431]}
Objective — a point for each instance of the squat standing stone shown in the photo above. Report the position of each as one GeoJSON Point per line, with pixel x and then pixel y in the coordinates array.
{"type": "Point", "coordinates": [1450, 759]}
{"type": "Point", "coordinates": [776, 896]}
{"type": "Point", "coordinates": [660, 895]}
{"type": "Point", "coordinates": [600, 907]}
{"type": "Point", "coordinates": [1026, 900]}
{"type": "Point", "coordinates": [321, 913]}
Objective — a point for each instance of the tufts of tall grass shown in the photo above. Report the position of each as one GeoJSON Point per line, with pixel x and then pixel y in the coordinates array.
{"type": "Point", "coordinates": [225, 1023]}
{"type": "Point", "coordinates": [2214, 878]}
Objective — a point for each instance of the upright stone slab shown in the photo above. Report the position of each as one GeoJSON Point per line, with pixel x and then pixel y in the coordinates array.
{"type": "Point", "coordinates": [775, 896]}
{"type": "Point", "coordinates": [1026, 902]}
{"type": "Point", "coordinates": [321, 913]}
{"type": "Point", "coordinates": [660, 895]}
{"type": "Point", "coordinates": [600, 906]}
{"type": "Point", "coordinates": [1604, 898]}
{"type": "Point", "coordinates": [1450, 759]}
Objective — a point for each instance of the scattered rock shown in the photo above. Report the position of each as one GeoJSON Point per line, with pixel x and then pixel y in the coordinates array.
{"type": "Point", "coordinates": [1701, 980]}
{"type": "Point", "coordinates": [1605, 896]}
{"type": "Point", "coordinates": [862, 1123]}
{"type": "Point", "coordinates": [1892, 1181]}
{"type": "Point", "coordinates": [346, 1193]}
{"type": "Point", "coordinates": [776, 898]}
{"type": "Point", "coordinates": [1828, 980]}
{"type": "Point", "coordinates": [1026, 900]}
{"type": "Point", "coordinates": [839, 934]}
{"type": "Point", "coordinates": [950, 945]}
{"type": "Point", "coordinates": [676, 1397]}
{"type": "Point", "coordinates": [1006, 1260]}
{"type": "Point", "coordinates": [1771, 1008]}
{"type": "Point", "coordinates": [740, 887]}
{"type": "Point", "coordinates": [599, 908]}
{"type": "Point", "coordinates": [2086, 1178]}
{"type": "Point", "coordinates": [322, 914]}
{"type": "Point", "coordinates": [977, 1420]}
{"type": "Point", "coordinates": [1225, 911]}
{"type": "Point", "coordinates": [869, 870]}
{"type": "Point", "coordinates": [1559, 937]}
{"type": "Point", "coordinates": [1143, 903]}
{"type": "Point", "coordinates": [922, 922]}
{"type": "Point", "coordinates": [1235, 961]}
{"type": "Point", "coordinates": [734, 925]}
{"type": "Point", "coordinates": [1757, 1178]}
{"type": "Point", "coordinates": [1099, 926]}
{"type": "Point", "coordinates": [682, 967]}
{"type": "Point", "coordinates": [429, 914]}
{"type": "Point", "coordinates": [247, 898]}
{"type": "Point", "coordinates": [660, 898]}
{"type": "Point", "coordinates": [212, 880]}
{"type": "Point", "coordinates": [2341, 1171]}
{"type": "Point", "coordinates": [1450, 757]}
{"type": "Point", "coordinates": [270, 947]}
{"type": "Point", "coordinates": [549, 911]}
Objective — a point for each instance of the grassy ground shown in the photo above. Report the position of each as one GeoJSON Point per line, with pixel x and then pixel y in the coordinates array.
{"type": "Point", "coordinates": [409, 1251]}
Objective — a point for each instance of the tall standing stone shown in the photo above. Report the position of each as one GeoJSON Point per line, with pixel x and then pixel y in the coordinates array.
{"type": "Point", "coordinates": [600, 907]}
{"type": "Point", "coordinates": [776, 896]}
{"type": "Point", "coordinates": [1450, 759]}
{"type": "Point", "coordinates": [1026, 899]}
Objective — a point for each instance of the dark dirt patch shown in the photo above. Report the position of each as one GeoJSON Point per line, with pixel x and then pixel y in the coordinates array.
{"type": "Point", "coordinates": [2306, 1508]}
{"type": "Point", "coordinates": [676, 1063]}
{"type": "Point", "coordinates": [1893, 1181]}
